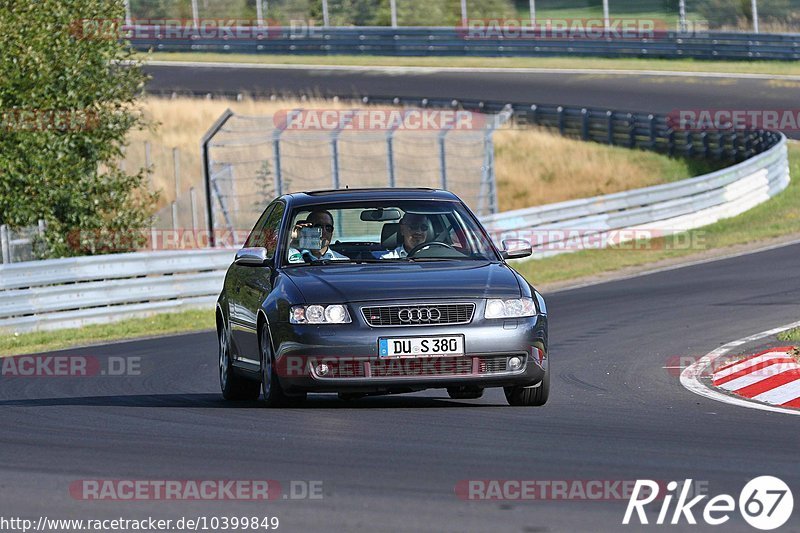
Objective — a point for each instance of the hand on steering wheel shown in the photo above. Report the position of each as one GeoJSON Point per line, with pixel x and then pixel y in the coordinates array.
{"type": "Point", "coordinates": [419, 247]}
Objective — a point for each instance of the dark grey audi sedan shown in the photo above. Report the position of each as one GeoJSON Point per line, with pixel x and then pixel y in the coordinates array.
{"type": "Point", "coordinates": [378, 291]}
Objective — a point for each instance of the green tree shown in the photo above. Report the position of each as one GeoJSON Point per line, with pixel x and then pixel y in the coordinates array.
{"type": "Point", "coordinates": [67, 105]}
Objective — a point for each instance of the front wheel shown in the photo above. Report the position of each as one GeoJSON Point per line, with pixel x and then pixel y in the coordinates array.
{"type": "Point", "coordinates": [529, 396]}
{"type": "Point", "coordinates": [273, 393]}
{"type": "Point", "coordinates": [233, 387]}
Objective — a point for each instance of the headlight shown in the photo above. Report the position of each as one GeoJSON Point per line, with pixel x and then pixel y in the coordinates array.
{"type": "Point", "coordinates": [513, 308]}
{"type": "Point", "coordinates": [319, 314]}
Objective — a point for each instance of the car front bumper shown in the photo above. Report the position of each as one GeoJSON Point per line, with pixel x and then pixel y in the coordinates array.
{"type": "Point", "coordinates": [350, 353]}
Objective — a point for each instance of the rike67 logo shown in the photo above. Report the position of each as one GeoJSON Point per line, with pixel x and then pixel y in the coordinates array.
{"type": "Point", "coordinates": [765, 503]}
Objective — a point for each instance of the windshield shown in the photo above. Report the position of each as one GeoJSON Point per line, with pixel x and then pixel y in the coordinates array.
{"type": "Point", "coordinates": [384, 232]}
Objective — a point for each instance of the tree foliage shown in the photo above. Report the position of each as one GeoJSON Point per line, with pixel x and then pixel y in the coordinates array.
{"type": "Point", "coordinates": [67, 105]}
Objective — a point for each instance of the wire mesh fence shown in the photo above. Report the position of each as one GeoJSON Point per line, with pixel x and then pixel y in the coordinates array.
{"type": "Point", "coordinates": [252, 159]}
{"type": "Point", "coordinates": [21, 244]}
{"type": "Point", "coordinates": [778, 16]}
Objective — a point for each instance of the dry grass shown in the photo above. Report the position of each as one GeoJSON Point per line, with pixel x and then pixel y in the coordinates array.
{"type": "Point", "coordinates": [533, 166]}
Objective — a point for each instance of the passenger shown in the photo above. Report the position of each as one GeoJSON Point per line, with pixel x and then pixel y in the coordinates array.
{"type": "Point", "coordinates": [413, 232]}
{"type": "Point", "coordinates": [317, 219]}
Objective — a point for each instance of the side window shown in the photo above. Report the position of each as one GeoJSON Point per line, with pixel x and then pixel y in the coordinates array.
{"type": "Point", "coordinates": [265, 232]}
{"type": "Point", "coordinates": [256, 237]}
{"type": "Point", "coordinates": [272, 228]}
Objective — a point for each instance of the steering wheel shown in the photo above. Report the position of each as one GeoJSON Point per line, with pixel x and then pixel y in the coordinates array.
{"type": "Point", "coordinates": [419, 247]}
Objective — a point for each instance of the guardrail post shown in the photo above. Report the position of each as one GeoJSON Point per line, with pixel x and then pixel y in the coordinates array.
{"type": "Point", "coordinates": [176, 170]}
{"type": "Point", "coordinates": [610, 127]}
{"type": "Point", "coordinates": [443, 158]}
{"type": "Point", "coordinates": [689, 144]}
{"type": "Point", "coordinates": [534, 114]}
{"type": "Point", "coordinates": [671, 142]}
{"type": "Point", "coordinates": [652, 123]}
{"type": "Point", "coordinates": [631, 130]}
{"type": "Point", "coordinates": [390, 158]}
{"type": "Point", "coordinates": [193, 202]}
{"type": "Point", "coordinates": [706, 144]}
{"type": "Point", "coordinates": [195, 14]}
{"type": "Point", "coordinates": [175, 216]}
{"type": "Point", "coordinates": [276, 156]}
{"type": "Point", "coordinates": [560, 115]}
{"type": "Point", "coordinates": [585, 124]}
{"type": "Point", "coordinates": [4, 244]}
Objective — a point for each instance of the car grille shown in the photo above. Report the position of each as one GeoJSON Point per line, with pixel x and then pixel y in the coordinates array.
{"type": "Point", "coordinates": [418, 315]}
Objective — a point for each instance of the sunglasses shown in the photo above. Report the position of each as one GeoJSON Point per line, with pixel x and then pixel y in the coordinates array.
{"type": "Point", "coordinates": [417, 227]}
{"type": "Point", "coordinates": [326, 227]}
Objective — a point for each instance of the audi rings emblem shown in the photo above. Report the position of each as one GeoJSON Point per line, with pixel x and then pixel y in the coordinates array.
{"type": "Point", "coordinates": [419, 314]}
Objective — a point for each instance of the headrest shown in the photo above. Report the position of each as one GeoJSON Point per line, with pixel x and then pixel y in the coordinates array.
{"type": "Point", "coordinates": [390, 235]}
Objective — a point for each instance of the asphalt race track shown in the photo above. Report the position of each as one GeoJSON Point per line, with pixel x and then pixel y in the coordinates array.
{"type": "Point", "coordinates": [628, 92]}
{"type": "Point", "coordinates": [392, 463]}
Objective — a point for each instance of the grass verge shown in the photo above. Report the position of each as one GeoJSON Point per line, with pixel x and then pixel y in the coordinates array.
{"type": "Point", "coordinates": [790, 335]}
{"type": "Point", "coordinates": [163, 324]}
{"type": "Point", "coordinates": [683, 65]}
{"type": "Point", "coordinates": [777, 217]}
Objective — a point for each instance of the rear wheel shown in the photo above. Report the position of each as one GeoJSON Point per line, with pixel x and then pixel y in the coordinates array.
{"type": "Point", "coordinates": [465, 393]}
{"type": "Point", "coordinates": [529, 396]}
{"type": "Point", "coordinates": [233, 387]}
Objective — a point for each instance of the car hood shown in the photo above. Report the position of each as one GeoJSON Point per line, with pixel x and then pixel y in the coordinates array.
{"type": "Point", "coordinates": [358, 283]}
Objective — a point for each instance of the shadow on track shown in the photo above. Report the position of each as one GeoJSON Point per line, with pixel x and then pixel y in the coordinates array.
{"type": "Point", "coordinates": [215, 401]}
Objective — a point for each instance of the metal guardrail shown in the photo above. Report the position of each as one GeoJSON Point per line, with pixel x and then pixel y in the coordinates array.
{"type": "Point", "coordinates": [452, 41]}
{"type": "Point", "coordinates": [657, 210]}
{"type": "Point", "coordinates": [73, 292]}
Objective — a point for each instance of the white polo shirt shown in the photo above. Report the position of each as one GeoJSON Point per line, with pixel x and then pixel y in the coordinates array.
{"type": "Point", "coordinates": [296, 256]}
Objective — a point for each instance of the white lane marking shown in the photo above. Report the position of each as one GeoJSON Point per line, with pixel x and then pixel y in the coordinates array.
{"type": "Point", "coordinates": [747, 363]}
{"type": "Point", "coordinates": [758, 376]}
{"type": "Point", "coordinates": [780, 395]}
{"type": "Point", "coordinates": [690, 377]}
{"type": "Point", "coordinates": [504, 70]}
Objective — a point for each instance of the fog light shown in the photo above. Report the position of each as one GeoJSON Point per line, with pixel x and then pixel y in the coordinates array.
{"type": "Point", "coordinates": [322, 369]}
{"type": "Point", "coordinates": [515, 363]}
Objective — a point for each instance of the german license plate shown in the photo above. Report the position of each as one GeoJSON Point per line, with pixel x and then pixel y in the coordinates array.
{"type": "Point", "coordinates": [421, 346]}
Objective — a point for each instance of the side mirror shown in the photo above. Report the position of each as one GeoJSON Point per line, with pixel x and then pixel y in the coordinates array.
{"type": "Point", "coordinates": [251, 256]}
{"type": "Point", "coordinates": [516, 249]}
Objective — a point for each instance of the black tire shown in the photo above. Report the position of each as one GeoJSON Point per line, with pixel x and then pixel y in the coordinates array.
{"type": "Point", "coordinates": [529, 396]}
{"type": "Point", "coordinates": [271, 389]}
{"type": "Point", "coordinates": [465, 393]}
{"type": "Point", "coordinates": [233, 387]}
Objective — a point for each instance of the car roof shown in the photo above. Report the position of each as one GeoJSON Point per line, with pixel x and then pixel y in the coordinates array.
{"type": "Point", "coordinates": [367, 194]}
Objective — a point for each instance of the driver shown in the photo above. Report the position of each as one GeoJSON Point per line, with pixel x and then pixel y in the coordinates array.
{"type": "Point", "coordinates": [317, 219]}
{"type": "Point", "coordinates": [413, 231]}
